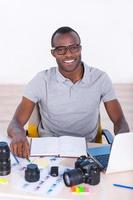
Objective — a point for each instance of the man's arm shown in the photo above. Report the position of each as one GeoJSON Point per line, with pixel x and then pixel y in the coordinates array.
{"type": "Point", "coordinates": [19, 144]}
{"type": "Point", "coordinates": [116, 115]}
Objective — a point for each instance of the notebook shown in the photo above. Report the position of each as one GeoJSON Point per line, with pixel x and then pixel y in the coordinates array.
{"type": "Point", "coordinates": [115, 158]}
{"type": "Point", "coordinates": [63, 146]}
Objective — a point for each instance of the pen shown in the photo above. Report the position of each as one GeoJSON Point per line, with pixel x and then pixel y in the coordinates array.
{"type": "Point", "coordinates": [15, 158]}
{"type": "Point", "coordinates": [123, 186]}
{"type": "Point", "coordinates": [28, 160]}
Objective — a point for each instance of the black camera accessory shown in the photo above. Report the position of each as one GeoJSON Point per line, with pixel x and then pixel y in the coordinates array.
{"type": "Point", "coordinates": [73, 177]}
{"type": "Point", "coordinates": [86, 171]}
{"type": "Point", "coordinates": [5, 162]}
{"type": "Point", "coordinates": [54, 171]}
{"type": "Point", "coordinates": [32, 173]}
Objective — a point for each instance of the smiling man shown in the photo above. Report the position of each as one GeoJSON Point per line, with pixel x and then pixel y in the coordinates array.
{"type": "Point", "coordinates": [68, 96]}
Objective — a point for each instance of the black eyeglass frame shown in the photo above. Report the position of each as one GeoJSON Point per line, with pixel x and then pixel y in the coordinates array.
{"type": "Point", "coordinates": [66, 49]}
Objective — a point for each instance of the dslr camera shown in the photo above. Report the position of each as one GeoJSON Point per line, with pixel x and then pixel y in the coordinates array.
{"type": "Point", "coordinates": [86, 171]}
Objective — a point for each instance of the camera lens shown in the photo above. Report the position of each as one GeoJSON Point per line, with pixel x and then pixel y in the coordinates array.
{"type": "Point", "coordinates": [5, 163]}
{"type": "Point", "coordinates": [32, 173]}
{"type": "Point", "coordinates": [73, 177]}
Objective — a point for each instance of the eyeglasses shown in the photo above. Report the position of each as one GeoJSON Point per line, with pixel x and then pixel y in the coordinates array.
{"type": "Point", "coordinates": [61, 50]}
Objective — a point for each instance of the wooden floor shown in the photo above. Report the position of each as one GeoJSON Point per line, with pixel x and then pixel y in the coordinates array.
{"type": "Point", "coordinates": [10, 96]}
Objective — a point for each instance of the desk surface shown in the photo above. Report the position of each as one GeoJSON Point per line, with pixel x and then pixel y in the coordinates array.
{"type": "Point", "coordinates": [103, 191]}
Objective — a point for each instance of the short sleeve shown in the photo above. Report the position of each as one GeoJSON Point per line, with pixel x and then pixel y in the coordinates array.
{"type": "Point", "coordinates": [33, 89]}
{"type": "Point", "coordinates": [108, 92]}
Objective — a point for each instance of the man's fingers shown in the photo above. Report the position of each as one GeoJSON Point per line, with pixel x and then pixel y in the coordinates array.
{"type": "Point", "coordinates": [26, 150]}
{"type": "Point", "coordinates": [20, 149]}
{"type": "Point", "coordinates": [13, 148]}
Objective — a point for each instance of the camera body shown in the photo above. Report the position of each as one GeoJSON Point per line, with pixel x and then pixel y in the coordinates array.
{"type": "Point", "coordinates": [86, 171]}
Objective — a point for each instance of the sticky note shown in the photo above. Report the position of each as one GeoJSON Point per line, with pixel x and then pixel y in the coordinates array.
{"type": "Point", "coordinates": [87, 189]}
{"type": "Point", "coordinates": [3, 180]}
{"type": "Point", "coordinates": [73, 189]}
{"type": "Point", "coordinates": [77, 189]}
{"type": "Point", "coordinates": [81, 188]}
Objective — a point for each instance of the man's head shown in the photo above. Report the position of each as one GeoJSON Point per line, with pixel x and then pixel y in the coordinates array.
{"type": "Point", "coordinates": [63, 30]}
{"type": "Point", "coordinates": [66, 49]}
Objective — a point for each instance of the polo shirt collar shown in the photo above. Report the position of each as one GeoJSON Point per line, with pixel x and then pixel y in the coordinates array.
{"type": "Point", "coordinates": [86, 76]}
{"type": "Point", "coordinates": [85, 79]}
{"type": "Point", "coordinates": [59, 76]}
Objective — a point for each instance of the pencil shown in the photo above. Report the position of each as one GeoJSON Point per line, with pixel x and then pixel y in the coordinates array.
{"type": "Point", "coordinates": [123, 186]}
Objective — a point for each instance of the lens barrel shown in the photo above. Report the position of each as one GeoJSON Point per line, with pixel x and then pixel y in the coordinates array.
{"type": "Point", "coordinates": [73, 177]}
{"type": "Point", "coordinates": [5, 163]}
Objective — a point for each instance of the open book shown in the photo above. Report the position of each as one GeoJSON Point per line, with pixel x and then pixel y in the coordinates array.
{"type": "Point", "coordinates": [64, 146]}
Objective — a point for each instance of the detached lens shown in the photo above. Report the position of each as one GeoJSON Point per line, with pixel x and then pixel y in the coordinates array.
{"type": "Point", "coordinates": [32, 173]}
{"type": "Point", "coordinates": [73, 177]}
{"type": "Point", "coordinates": [5, 163]}
{"type": "Point", "coordinates": [5, 168]}
{"type": "Point", "coordinates": [4, 151]}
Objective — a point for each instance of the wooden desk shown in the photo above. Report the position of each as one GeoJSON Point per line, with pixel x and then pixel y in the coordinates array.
{"type": "Point", "coordinates": [103, 191]}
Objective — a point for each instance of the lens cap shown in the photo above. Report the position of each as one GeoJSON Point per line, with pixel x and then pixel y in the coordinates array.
{"type": "Point", "coordinates": [32, 173]}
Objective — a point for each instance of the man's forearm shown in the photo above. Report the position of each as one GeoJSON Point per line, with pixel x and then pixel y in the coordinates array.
{"type": "Point", "coordinates": [121, 126]}
{"type": "Point", "coordinates": [14, 129]}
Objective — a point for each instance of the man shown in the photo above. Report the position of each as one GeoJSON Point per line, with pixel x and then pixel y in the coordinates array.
{"type": "Point", "coordinates": [68, 97]}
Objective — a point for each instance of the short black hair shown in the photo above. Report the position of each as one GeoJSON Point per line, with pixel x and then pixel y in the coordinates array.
{"type": "Point", "coordinates": [63, 29]}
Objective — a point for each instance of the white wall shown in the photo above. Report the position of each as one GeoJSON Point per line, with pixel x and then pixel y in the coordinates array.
{"type": "Point", "coordinates": [26, 26]}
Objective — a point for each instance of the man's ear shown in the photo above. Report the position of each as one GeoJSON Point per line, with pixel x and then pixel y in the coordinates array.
{"type": "Point", "coordinates": [52, 52]}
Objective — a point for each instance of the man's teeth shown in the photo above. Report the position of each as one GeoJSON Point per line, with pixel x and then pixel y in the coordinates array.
{"type": "Point", "coordinates": [69, 61]}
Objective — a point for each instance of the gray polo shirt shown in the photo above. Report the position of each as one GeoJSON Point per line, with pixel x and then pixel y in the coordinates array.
{"type": "Point", "coordinates": [67, 108]}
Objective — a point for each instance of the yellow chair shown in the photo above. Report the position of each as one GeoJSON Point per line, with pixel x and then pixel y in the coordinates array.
{"type": "Point", "coordinates": [35, 119]}
{"type": "Point", "coordinates": [33, 123]}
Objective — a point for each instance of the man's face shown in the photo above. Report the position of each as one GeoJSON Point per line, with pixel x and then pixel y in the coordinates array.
{"type": "Point", "coordinates": [67, 51]}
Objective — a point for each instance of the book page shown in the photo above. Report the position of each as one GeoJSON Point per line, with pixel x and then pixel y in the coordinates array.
{"type": "Point", "coordinates": [72, 146]}
{"type": "Point", "coordinates": [44, 146]}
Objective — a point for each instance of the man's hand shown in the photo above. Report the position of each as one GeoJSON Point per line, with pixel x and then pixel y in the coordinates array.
{"type": "Point", "coordinates": [20, 146]}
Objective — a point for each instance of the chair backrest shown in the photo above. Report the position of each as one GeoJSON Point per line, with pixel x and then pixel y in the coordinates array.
{"type": "Point", "coordinates": [34, 122]}
{"type": "Point", "coordinates": [99, 134]}
{"type": "Point", "coordinates": [35, 119]}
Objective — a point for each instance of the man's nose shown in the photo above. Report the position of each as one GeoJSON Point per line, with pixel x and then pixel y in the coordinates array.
{"type": "Point", "coordinates": [68, 52]}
